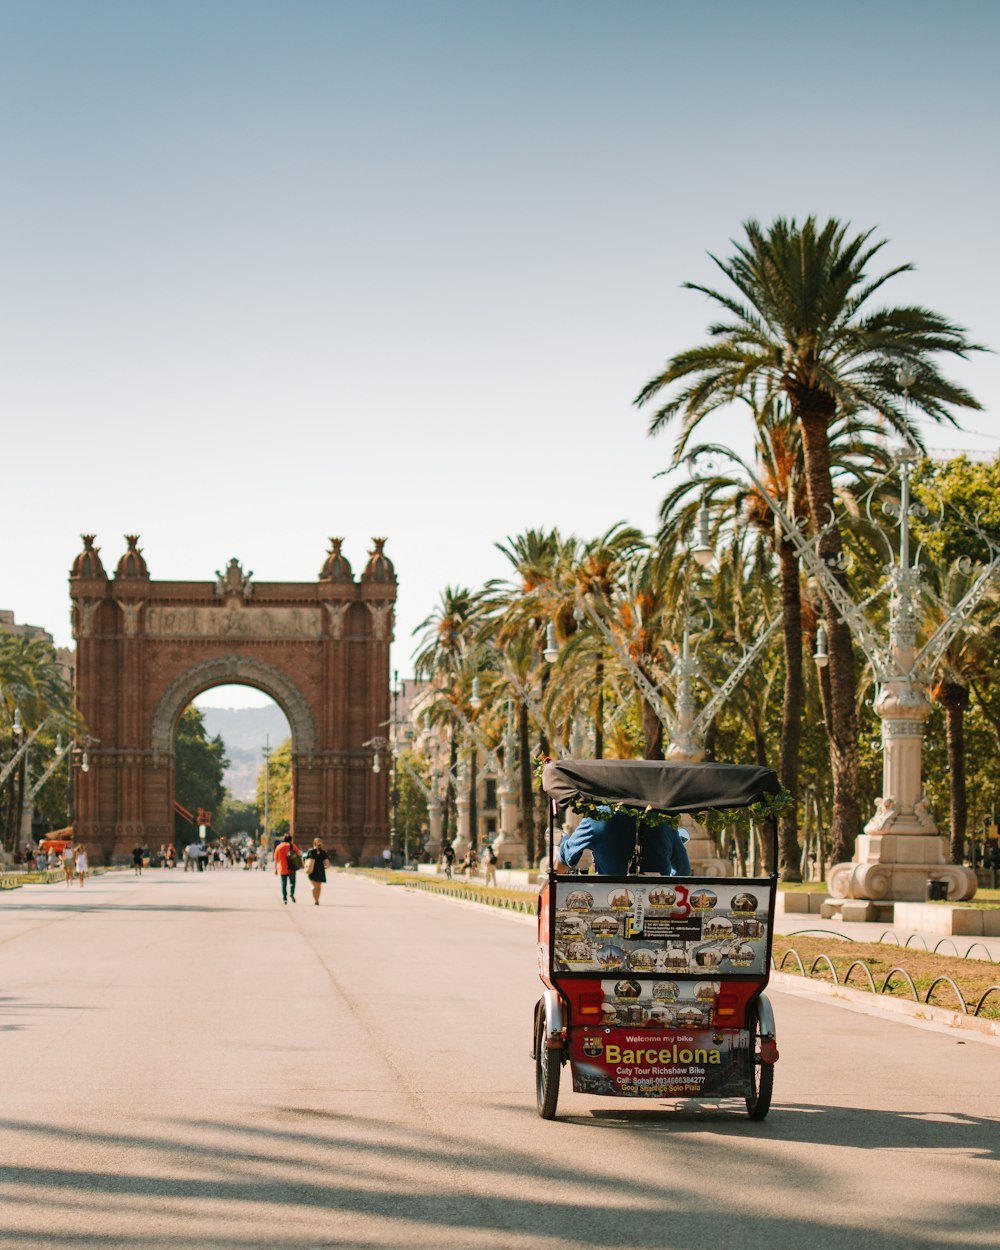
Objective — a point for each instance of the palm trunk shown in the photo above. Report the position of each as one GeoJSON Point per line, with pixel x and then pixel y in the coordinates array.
{"type": "Point", "coordinates": [956, 699]}
{"type": "Point", "coordinates": [711, 734]}
{"type": "Point", "coordinates": [815, 410]}
{"type": "Point", "coordinates": [791, 709]}
{"type": "Point", "coordinates": [652, 728]}
{"type": "Point", "coordinates": [652, 731]}
{"type": "Point", "coordinates": [474, 800]}
{"type": "Point", "coordinates": [599, 713]}
{"type": "Point", "coordinates": [449, 823]}
{"type": "Point", "coordinates": [544, 749]}
{"type": "Point", "coordinates": [527, 797]}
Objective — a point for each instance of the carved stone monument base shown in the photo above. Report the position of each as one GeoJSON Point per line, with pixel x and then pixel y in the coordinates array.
{"type": "Point", "coordinates": [702, 852]}
{"type": "Point", "coordinates": [510, 849]}
{"type": "Point", "coordinates": [898, 865]}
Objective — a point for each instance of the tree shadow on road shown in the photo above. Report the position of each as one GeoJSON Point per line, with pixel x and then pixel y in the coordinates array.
{"type": "Point", "coordinates": [25, 1007]}
{"type": "Point", "coordinates": [859, 1128]}
{"type": "Point", "coordinates": [424, 1187]}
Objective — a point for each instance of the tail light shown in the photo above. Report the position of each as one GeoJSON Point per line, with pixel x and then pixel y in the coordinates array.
{"type": "Point", "coordinates": [728, 1007]}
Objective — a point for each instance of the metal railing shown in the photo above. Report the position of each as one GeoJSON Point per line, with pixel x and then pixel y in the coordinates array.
{"type": "Point", "coordinates": [893, 973]}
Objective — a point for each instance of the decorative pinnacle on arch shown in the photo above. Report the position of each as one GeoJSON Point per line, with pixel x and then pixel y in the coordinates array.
{"type": "Point", "coordinates": [336, 566]}
{"type": "Point", "coordinates": [88, 562]}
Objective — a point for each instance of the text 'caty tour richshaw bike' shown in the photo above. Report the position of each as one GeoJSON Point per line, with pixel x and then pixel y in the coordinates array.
{"type": "Point", "coordinates": [654, 985]}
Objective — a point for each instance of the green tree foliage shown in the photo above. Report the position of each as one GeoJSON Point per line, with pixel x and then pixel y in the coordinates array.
{"type": "Point", "coordinates": [199, 765]}
{"type": "Point", "coordinates": [236, 817]}
{"type": "Point", "coordinates": [279, 789]}
{"type": "Point", "coordinates": [411, 809]}
{"type": "Point", "coordinates": [962, 497]}
{"type": "Point", "coordinates": [32, 684]}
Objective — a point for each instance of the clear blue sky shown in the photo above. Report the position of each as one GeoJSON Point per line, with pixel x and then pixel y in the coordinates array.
{"type": "Point", "coordinates": [275, 271]}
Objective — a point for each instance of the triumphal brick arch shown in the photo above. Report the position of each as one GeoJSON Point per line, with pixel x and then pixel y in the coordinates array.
{"type": "Point", "coordinates": [146, 648]}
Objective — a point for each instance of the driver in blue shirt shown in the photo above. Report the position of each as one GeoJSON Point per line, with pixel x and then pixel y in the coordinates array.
{"type": "Point", "coordinates": [612, 842]}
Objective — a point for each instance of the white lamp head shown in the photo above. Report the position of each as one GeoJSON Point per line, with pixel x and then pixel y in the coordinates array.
{"type": "Point", "coordinates": [551, 652]}
{"type": "Point", "coordinates": [702, 548]}
{"type": "Point", "coordinates": [821, 655]}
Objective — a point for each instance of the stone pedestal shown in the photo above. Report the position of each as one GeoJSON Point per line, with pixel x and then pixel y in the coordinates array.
{"type": "Point", "coordinates": [702, 852]}
{"type": "Point", "coordinates": [901, 848]}
{"type": "Point", "coordinates": [509, 846]}
{"type": "Point", "coordinates": [462, 840]}
{"type": "Point", "coordinates": [701, 849]}
{"type": "Point", "coordinates": [898, 866]}
{"type": "Point", "coordinates": [435, 816]}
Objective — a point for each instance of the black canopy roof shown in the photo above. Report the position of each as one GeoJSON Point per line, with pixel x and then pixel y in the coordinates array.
{"type": "Point", "coordinates": [667, 786]}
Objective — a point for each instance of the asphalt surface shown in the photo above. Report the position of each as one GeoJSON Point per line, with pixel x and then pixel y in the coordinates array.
{"type": "Point", "coordinates": [188, 1063]}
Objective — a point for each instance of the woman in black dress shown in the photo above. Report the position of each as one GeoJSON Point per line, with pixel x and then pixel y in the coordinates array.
{"type": "Point", "coordinates": [316, 865]}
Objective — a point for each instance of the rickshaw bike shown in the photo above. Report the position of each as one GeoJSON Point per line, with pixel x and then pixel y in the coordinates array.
{"type": "Point", "coordinates": [654, 984]}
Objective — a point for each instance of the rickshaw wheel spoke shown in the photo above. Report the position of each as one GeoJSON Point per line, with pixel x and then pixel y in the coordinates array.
{"type": "Point", "coordinates": [761, 1074]}
{"type": "Point", "coordinates": [547, 1073]}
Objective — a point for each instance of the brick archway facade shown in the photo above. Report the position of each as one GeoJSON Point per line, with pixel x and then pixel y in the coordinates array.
{"type": "Point", "coordinates": [146, 648]}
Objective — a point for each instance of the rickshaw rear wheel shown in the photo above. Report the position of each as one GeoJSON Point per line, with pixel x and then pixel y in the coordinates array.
{"type": "Point", "coordinates": [547, 1072]}
{"type": "Point", "coordinates": [761, 1075]}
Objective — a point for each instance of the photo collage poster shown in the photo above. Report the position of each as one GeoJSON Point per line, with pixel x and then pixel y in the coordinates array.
{"type": "Point", "coordinates": [661, 928]}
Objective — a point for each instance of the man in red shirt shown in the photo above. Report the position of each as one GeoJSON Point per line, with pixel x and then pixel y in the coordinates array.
{"type": "Point", "coordinates": [287, 861]}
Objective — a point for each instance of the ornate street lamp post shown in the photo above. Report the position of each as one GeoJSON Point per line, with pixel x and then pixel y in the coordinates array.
{"type": "Point", "coordinates": [901, 847]}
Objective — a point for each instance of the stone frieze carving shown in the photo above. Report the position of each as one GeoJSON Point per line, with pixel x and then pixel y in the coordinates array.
{"type": "Point", "coordinates": [381, 621]}
{"type": "Point", "coordinates": [130, 617]}
{"type": "Point", "coordinates": [85, 613]}
{"type": "Point", "coordinates": [337, 612]}
{"type": "Point", "coordinates": [235, 620]}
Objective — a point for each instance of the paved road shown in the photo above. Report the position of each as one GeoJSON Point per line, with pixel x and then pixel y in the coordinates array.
{"type": "Point", "coordinates": [186, 1063]}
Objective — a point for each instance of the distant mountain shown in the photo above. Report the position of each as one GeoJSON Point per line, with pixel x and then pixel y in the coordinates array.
{"type": "Point", "coordinates": [244, 730]}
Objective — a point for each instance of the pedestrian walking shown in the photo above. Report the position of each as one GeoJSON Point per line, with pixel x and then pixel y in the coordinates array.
{"type": "Point", "coordinates": [67, 862]}
{"type": "Point", "coordinates": [488, 861]}
{"type": "Point", "coordinates": [81, 862]}
{"type": "Point", "coordinates": [449, 859]}
{"type": "Point", "coordinates": [317, 862]}
{"type": "Point", "coordinates": [287, 862]}
{"type": "Point", "coordinates": [137, 860]}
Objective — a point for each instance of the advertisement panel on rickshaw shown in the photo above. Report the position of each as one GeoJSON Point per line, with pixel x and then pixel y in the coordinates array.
{"type": "Point", "coordinates": [655, 1064]}
{"type": "Point", "coordinates": [663, 927]}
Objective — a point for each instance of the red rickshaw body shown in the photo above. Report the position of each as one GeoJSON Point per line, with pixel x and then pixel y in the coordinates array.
{"type": "Point", "coordinates": [654, 984]}
{"type": "Point", "coordinates": [657, 977]}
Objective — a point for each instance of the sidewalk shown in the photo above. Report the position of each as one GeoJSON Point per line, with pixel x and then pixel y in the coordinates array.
{"type": "Point", "coordinates": [872, 931]}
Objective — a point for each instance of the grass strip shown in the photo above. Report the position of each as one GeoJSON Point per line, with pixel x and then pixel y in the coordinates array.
{"type": "Point", "coordinates": [972, 976]}
{"type": "Point", "coordinates": [472, 891]}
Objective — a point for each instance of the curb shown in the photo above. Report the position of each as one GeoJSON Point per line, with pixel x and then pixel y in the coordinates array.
{"type": "Point", "coordinates": [885, 1004]}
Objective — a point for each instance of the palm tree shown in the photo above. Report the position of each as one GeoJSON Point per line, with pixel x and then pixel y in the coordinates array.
{"type": "Point", "coordinates": [590, 569]}
{"type": "Point", "coordinates": [524, 606]}
{"type": "Point", "coordinates": [799, 328]}
{"type": "Point", "coordinates": [442, 659]}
